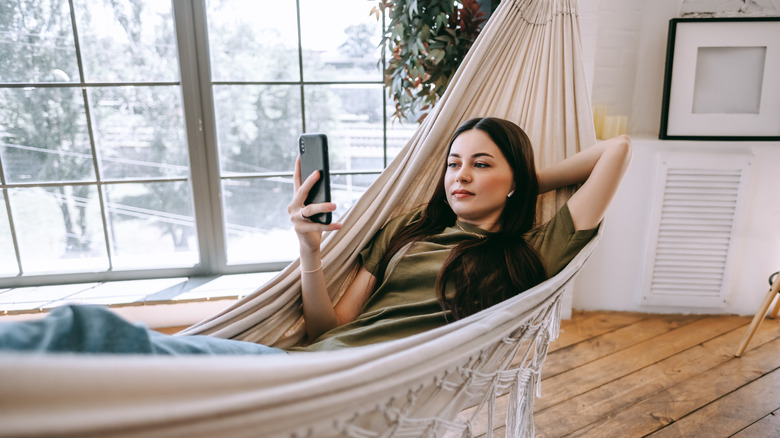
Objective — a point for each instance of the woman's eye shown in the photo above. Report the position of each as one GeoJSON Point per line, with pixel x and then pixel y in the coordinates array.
{"type": "Point", "coordinates": [481, 165]}
{"type": "Point", "coordinates": [452, 165]}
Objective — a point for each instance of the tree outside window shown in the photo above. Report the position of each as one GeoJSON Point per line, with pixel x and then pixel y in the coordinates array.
{"type": "Point", "coordinates": [95, 151]}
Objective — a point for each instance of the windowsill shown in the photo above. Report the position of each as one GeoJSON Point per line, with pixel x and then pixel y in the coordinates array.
{"type": "Point", "coordinates": [168, 302]}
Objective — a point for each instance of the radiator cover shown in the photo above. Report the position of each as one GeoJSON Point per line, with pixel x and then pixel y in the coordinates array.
{"type": "Point", "coordinates": [691, 245]}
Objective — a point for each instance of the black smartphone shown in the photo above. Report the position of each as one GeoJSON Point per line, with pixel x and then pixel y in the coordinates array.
{"type": "Point", "coordinates": [313, 149]}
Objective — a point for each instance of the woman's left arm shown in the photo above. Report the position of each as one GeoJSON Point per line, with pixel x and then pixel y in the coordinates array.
{"type": "Point", "coordinates": [599, 169]}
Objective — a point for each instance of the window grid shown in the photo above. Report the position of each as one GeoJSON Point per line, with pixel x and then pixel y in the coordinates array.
{"type": "Point", "coordinates": [205, 107]}
{"type": "Point", "coordinates": [99, 182]}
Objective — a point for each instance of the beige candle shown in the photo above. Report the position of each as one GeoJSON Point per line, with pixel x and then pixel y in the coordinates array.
{"type": "Point", "coordinates": [611, 126]}
{"type": "Point", "coordinates": [622, 125]}
{"type": "Point", "coordinates": [599, 112]}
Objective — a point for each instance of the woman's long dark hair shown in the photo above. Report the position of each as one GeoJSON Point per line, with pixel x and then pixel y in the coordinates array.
{"type": "Point", "coordinates": [500, 265]}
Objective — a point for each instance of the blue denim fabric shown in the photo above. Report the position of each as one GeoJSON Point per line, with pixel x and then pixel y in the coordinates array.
{"type": "Point", "coordinates": [95, 329]}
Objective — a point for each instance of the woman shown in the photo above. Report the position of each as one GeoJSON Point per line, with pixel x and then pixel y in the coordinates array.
{"type": "Point", "coordinates": [477, 225]}
{"type": "Point", "coordinates": [471, 246]}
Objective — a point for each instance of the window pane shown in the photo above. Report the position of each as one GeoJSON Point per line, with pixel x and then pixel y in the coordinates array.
{"type": "Point", "coordinates": [8, 264]}
{"type": "Point", "coordinates": [258, 228]}
{"type": "Point", "coordinates": [152, 225]}
{"type": "Point", "coordinates": [43, 135]}
{"type": "Point", "coordinates": [59, 229]}
{"type": "Point", "coordinates": [257, 127]}
{"type": "Point", "coordinates": [398, 135]}
{"type": "Point", "coordinates": [36, 42]}
{"type": "Point", "coordinates": [347, 189]}
{"type": "Point", "coordinates": [127, 41]}
{"type": "Point", "coordinates": [139, 132]}
{"type": "Point", "coordinates": [345, 45]}
{"type": "Point", "coordinates": [253, 40]}
{"type": "Point", "coordinates": [351, 116]}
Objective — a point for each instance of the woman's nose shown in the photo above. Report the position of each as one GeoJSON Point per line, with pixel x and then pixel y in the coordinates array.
{"type": "Point", "coordinates": [464, 175]}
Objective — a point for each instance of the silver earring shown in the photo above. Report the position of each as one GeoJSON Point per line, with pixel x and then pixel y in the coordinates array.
{"type": "Point", "coordinates": [510, 194]}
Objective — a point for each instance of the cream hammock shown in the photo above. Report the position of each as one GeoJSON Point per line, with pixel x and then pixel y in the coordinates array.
{"type": "Point", "coordinates": [525, 66]}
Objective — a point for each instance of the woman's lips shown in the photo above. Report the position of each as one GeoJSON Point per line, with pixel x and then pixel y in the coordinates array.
{"type": "Point", "coordinates": [460, 194]}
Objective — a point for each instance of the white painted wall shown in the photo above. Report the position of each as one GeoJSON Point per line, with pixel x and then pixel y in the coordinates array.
{"type": "Point", "coordinates": [628, 68]}
{"type": "Point", "coordinates": [613, 277]}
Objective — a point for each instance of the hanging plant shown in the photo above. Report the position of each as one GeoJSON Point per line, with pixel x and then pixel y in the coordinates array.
{"type": "Point", "coordinates": [426, 40]}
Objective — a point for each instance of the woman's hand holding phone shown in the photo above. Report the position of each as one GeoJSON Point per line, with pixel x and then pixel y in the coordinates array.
{"type": "Point", "coordinates": [318, 311]}
{"type": "Point", "coordinates": [309, 232]}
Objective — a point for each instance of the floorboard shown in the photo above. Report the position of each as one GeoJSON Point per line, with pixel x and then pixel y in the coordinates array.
{"type": "Point", "coordinates": [635, 375]}
{"type": "Point", "coordinates": [597, 409]}
{"type": "Point", "coordinates": [673, 407]}
{"type": "Point", "coordinates": [566, 385]}
{"type": "Point", "coordinates": [768, 426]}
{"type": "Point", "coordinates": [586, 325]}
{"type": "Point", "coordinates": [611, 342]}
{"type": "Point", "coordinates": [727, 414]}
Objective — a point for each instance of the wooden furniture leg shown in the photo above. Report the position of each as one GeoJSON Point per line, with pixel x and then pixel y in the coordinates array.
{"type": "Point", "coordinates": [775, 311]}
{"type": "Point", "coordinates": [761, 314]}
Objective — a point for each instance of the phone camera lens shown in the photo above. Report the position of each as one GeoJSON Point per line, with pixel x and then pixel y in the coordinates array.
{"type": "Point", "coordinates": [303, 146]}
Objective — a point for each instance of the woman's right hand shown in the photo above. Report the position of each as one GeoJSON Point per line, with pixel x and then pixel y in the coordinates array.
{"type": "Point", "coordinates": [309, 232]}
{"type": "Point", "coordinates": [318, 313]}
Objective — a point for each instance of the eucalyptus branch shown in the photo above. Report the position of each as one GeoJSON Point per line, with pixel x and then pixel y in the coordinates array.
{"type": "Point", "coordinates": [426, 40]}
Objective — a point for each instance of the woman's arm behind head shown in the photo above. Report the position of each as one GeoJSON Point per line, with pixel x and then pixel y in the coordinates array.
{"type": "Point", "coordinates": [599, 169]}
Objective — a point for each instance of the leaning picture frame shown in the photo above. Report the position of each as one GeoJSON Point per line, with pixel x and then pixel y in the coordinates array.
{"type": "Point", "coordinates": [722, 79]}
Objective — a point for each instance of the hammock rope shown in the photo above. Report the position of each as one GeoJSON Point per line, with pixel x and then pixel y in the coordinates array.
{"type": "Point", "coordinates": [525, 66]}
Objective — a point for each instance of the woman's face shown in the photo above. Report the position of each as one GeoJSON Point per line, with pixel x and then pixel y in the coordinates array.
{"type": "Point", "coordinates": [478, 180]}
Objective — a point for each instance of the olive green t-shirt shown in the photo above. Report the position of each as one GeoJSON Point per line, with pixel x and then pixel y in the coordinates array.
{"type": "Point", "coordinates": [406, 302]}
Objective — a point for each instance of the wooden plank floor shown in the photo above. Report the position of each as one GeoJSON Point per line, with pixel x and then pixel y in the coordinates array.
{"type": "Point", "coordinates": [635, 375]}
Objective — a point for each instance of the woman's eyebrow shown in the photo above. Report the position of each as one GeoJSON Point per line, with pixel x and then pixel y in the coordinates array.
{"type": "Point", "coordinates": [477, 155]}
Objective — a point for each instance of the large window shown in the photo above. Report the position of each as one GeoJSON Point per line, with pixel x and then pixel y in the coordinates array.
{"type": "Point", "coordinates": [147, 138]}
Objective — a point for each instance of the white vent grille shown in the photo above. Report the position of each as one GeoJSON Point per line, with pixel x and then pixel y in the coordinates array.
{"type": "Point", "coordinates": [695, 212]}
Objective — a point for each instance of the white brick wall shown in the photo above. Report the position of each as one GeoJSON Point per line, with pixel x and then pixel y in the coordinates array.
{"type": "Point", "coordinates": [589, 33]}
{"type": "Point", "coordinates": [619, 30]}
{"type": "Point", "coordinates": [728, 8]}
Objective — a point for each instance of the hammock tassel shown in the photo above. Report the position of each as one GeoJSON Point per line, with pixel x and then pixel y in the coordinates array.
{"type": "Point", "coordinates": [519, 421]}
{"type": "Point", "coordinates": [491, 409]}
{"type": "Point", "coordinates": [554, 325]}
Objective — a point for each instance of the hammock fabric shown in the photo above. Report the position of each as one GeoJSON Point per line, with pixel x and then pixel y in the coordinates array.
{"type": "Point", "coordinates": [526, 67]}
